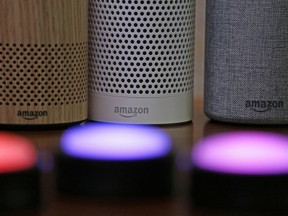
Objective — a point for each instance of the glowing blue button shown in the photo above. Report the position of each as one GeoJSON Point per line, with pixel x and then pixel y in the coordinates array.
{"type": "Point", "coordinates": [101, 141]}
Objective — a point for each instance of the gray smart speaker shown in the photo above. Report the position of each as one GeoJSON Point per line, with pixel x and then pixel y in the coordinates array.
{"type": "Point", "coordinates": [141, 61]}
{"type": "Point", "coordinates": [246, 78]}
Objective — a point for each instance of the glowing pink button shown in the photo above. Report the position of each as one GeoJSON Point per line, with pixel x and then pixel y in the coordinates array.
{"type": "Point", "coordinates": [16, 153]}
{"type": "Point", "coordinates": [251, 153]}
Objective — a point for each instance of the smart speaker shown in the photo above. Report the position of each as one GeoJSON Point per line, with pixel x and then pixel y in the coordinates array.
{"type": "Point", "coordinates": [141, 61]}
{"type": "Point", "coordinates": [19, 175]}
{"type": "Point", "coordinates": [43, 62]}
{"type": "Point", "coordinates": [247, 61]}
{"type": "Point", "coordinates": [115, 160]}
{"type": "Point", "coordinates": [241, 172]}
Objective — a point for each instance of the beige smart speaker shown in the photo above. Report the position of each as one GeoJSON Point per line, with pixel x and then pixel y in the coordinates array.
{"type": "Point", "coordinates": [43, 62]}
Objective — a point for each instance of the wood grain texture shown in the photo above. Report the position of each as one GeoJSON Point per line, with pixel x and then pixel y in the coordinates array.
{"type": "Point", "coordinates": [43, 21]}
{"type": "Point", "coordinates": [43, 61]}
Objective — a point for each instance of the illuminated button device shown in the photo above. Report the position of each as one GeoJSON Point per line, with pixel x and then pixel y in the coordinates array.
{"type": "Point", "coordinates": [246, 171]}
{"type": "Point", "coordinates": [19, 177]}
{"type": "Point", "coordinates": [113, 160]}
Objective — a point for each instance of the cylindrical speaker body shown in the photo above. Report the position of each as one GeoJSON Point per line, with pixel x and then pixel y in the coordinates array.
{"type": "Point", "coordinates": [43, 62]}
{"type": "Point", "coordinates": [247, 61]}
{"type": "Point", "coordinates": [141, 61]}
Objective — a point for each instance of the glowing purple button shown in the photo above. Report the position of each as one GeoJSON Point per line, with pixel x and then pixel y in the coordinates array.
{"type": "Point", "coordinates": [251, 153]}
{"type": "Point", "coordinates": [115, 142]}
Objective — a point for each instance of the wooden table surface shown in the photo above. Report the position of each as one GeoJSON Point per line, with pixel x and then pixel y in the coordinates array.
{"type": "Point", "coordinates": [184, 136]}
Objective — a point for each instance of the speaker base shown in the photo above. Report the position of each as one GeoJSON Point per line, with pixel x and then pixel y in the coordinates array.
{"type": "Point", "coordinates": [115, 179]}
{"type": "Point", "coordinates": [144, 110]}
{"type": "Point", "coordinates": [40, 127]}
{"type": "Point", "coordinates": [246, 120]}
{"type": "Point", "coordinates": [20, 191]}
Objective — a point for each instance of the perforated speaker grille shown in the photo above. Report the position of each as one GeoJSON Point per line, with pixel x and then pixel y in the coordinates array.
{"type": "Point", "coordinates": [141, 47]}
{"type": "Point", "coordinates": [43, 75]}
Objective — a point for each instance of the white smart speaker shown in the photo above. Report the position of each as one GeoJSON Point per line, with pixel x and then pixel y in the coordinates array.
{"type": "Point", "coordinates": [141, 61]}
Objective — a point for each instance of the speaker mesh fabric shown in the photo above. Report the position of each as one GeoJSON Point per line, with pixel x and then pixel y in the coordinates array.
{"type": "Point", "coordinates": [141, 48]}
{"type": "Point", "coordinates": [247, 61]}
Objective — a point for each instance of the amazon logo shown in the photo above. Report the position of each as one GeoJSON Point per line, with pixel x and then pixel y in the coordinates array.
{"type": "Point", "coordinates": [263, 105]}
{"type": "Point", "coordinates": [31, 115]}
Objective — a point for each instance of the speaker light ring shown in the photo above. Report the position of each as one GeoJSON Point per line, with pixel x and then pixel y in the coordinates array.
{"type": "Point", "coordinates": [115, 142]}
{"type": "Point", "coordinates": [16, 153]}
{"type": "Point", "coordinates": [256, 153]}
